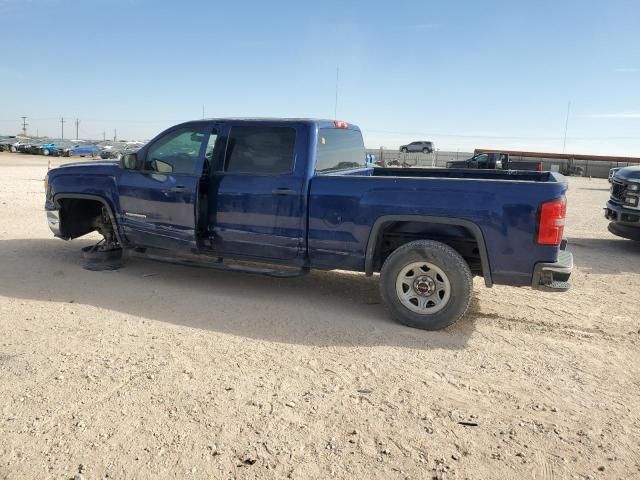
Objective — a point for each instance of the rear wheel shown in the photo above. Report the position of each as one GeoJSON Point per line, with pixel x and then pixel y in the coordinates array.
{"type": "Point", "coordinates": [426, 150]}
{"type": "Point", "coordinates": [405, 150]}
{"type": "Point", "coordinates": [426, 284]}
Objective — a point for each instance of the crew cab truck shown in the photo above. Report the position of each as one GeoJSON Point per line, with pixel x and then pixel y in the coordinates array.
{"type": "Point", "coordinates": [297, 195]}
{"type": "Point", "coordinates": [623, 208]}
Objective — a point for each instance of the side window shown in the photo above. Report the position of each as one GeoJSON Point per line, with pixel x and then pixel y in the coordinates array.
{"type": "Point", "coordinates": [176, 152]}
{"type": "Point", "coordinates": [260, 150]}
{"type": "Point", "coordinates": [339, 149]}
{"type": "Point", "coordinates": [209, 152]}
{"type": "Point", "coordinates": [211, 143]}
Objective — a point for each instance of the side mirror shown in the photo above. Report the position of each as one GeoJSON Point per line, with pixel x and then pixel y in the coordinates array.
{"type": "Point", "coordinates": [129, 161]}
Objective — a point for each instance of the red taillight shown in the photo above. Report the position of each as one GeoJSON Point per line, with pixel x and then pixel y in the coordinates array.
{"type": "Point", "coordinates": [340, 124]}
{"type": "Point", "coordinates": [551, 221]}
{"type": "Point", "coordinates": [539, 166]}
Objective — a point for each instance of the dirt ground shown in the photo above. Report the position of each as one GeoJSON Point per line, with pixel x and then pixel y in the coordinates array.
{"type": "Point", "coordinates": [158, 371]}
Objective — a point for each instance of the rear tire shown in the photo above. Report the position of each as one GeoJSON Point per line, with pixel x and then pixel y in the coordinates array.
{"type": "Point", "coordinates": [404, 150]}
{"type": "Point", "coordinates": [426, 284]}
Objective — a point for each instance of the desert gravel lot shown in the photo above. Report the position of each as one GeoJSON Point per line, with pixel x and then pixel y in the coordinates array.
{"type": "Point", "coordinates": [163, 371]}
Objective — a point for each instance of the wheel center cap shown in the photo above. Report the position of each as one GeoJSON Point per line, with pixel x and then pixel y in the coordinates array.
{"type": "Point", "coordinates": [424, 286]}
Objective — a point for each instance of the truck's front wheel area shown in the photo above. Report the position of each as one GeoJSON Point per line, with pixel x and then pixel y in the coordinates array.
{"type": "Point", "coordinates": [426, 284]}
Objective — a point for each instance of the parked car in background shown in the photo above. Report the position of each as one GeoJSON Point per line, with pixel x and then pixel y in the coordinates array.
{"type": "Point", "coordinates": [118, 150]}
{"type": "Point", "coordinates": [424, 147]}
{"type": "Point", "coordinates": [82, 151]}
{"type": "Point", "coordinates": [495, 161]}
{"type": "Point", "coordinates": [49, 149]}
{"type": "Point", "coordinates": [612, 172]}
{"type": "Point", "coordinates": [298, 193]}
{"type": "Point", "coordinates": [21, 147]}
{"type": "Point", "coordinates": [6, 142]}
{"type": "Point", "coordinates": [109, 152]}
{"type": "Point", "coordinates": [623, 207]}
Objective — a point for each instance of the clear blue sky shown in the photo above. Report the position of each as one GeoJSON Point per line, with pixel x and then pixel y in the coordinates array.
{"type": "Point", "coordinates": [461, 73]}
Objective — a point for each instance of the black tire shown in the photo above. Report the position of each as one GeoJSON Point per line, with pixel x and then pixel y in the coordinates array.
{"type": "Point", "coordinates": [404, 150]}
{"type": "Point", "coordinates": [624, 231]}
{"type": "Point", "coordinates": [426, 150]}
{"type": "Point", "coordinates": [446, 259]}
{"type": "Point", "coordinates": [98, 259]}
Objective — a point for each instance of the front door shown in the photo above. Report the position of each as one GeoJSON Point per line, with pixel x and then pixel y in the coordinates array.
{"type": "Point", "coordinates": [158, 199]}
{"type": "Point", "coordinates": [258, 208]}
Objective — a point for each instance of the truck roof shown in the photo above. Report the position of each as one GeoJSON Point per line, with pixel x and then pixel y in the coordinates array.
{"type": "Point", "coordinates": [320, 123]}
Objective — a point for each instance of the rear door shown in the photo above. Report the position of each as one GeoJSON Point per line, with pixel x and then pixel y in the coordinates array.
{"type": "Point", "coordinates": [258, 209]}
{"type": "Point", "coordinates": [158, 199]}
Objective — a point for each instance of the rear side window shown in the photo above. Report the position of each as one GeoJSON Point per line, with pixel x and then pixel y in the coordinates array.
{"type": "Point", "coordinates": [260, 150]}
{"type": "Point", "coordinates": [339, 149]}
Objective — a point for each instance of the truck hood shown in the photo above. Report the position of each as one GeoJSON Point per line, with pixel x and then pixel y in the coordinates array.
{"type": "Point", "coordinates": [629, 173]}
{"type": "Point", "coordinates": [103, 167]}
{"type": "Point", "coordinates": [89, 164]}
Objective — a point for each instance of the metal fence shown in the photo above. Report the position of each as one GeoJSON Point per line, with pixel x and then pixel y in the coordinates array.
{"type": "Point", "coordinates": [435, 159]}
{"type": "Point", "coordinates": [439, 159]}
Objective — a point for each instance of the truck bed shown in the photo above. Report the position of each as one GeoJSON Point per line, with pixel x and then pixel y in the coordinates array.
{"type": "Point", "coordinates": [470, 174]}
{"type": "Point", "coordinates": [344, 207]}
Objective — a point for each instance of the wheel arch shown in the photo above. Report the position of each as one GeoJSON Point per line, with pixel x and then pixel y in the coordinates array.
{"type": "Point", "coordinates": [375, 236]}
{"type": "Point", "coordinates": [57, 198]}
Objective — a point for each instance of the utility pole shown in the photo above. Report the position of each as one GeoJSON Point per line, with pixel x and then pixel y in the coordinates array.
{"type": "Point", "coordinates": [24, 126]}
{"type": "Point", "coordinates": [115, 135]}
{"type": "Point", "coordinates": [203, 111]}
{"type": "Point", "coordinates": [62, 128]}
{"type": "Point", "coordinates": [104, 135]}
{"type": "Point", "coordinates": [335, 107]}
{"type": "Point", "coordinates": [77, 124]}
{"type": "Point", "coordinates": [566, 126]}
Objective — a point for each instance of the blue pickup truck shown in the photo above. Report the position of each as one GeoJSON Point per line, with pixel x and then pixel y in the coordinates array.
{"type": "Point", "coordinates": [297, 194]}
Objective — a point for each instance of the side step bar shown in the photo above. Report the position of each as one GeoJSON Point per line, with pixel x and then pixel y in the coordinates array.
{"type": "Point", "coordinates": [217, 264]}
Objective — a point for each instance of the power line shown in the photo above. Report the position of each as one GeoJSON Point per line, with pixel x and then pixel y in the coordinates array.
{"type": "Point", "coordinates": [566, 127]}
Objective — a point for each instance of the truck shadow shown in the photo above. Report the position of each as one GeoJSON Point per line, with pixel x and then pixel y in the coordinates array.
{"type": "Point", "coordinates": [320, 309]}
{"type": "Point", "coordinates": [606, 255]}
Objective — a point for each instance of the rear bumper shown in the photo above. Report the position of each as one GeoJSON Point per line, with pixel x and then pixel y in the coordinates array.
{"type": "Point", "coordinates": [553, 277]}
{"type": "Point", "coordinates": [625, 222]}
{"type": "Point", "coordinates": [53, 219]}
